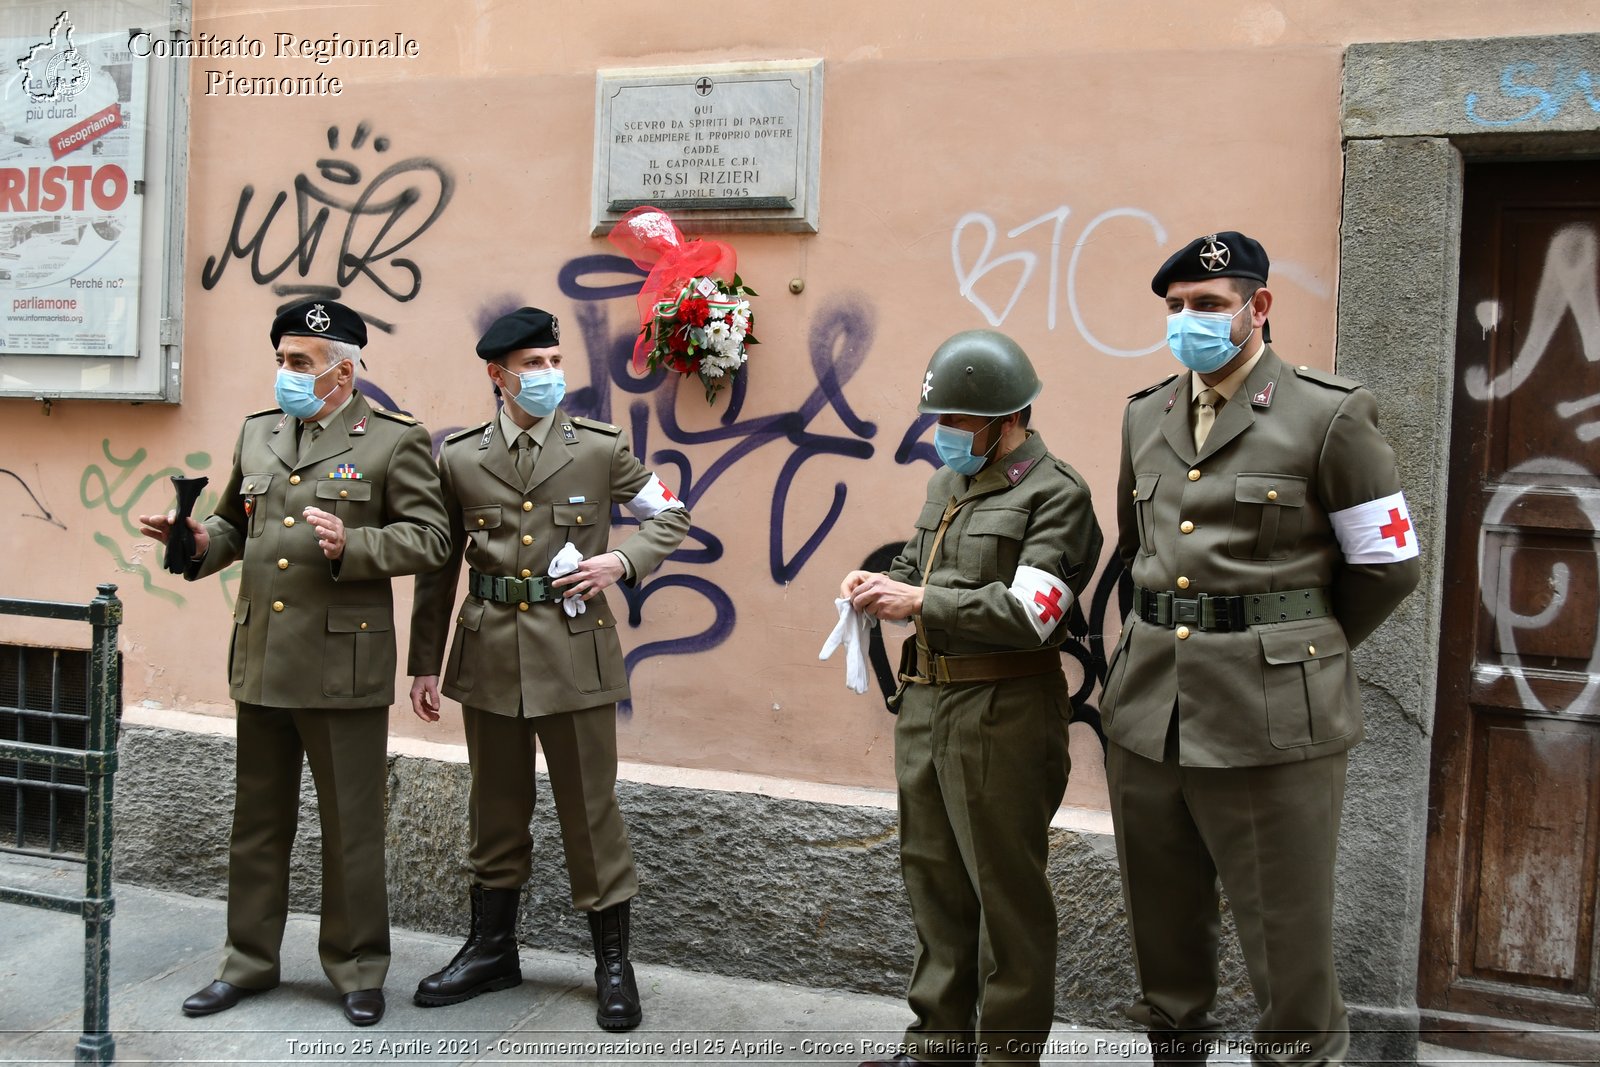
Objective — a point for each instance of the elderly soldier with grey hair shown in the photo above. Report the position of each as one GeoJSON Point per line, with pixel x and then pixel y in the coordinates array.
{"type": "Point", "coordinates": [329, 498]}
{"type": "Point", "coordinates": [1005, 541]}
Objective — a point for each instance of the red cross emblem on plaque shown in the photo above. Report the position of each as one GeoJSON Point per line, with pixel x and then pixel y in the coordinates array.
{"type": "Point", "coordinates": [1049, 605]}
{"type": "Point", "coordinates": [1396, 529]}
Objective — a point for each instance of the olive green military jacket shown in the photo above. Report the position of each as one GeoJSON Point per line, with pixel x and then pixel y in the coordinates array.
{"type": "Point", "coordinates": [532, 659]}
{"type": "Point", "coordinates": [1014, 556]}
{"type": "Point", "coordinates": [1281, 497]}
{"type": "Point", "coordinates": [309, 632]}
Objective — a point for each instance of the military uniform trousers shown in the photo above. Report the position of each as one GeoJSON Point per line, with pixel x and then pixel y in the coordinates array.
{"type": "Point", "coordinates": [981, 770]}
{"type": "Point", "coordinates": [580, 752]}
{"type": "Point", "coordinates": [1271, 834]}
{"type": "Point", "coordinates": [347, 749]}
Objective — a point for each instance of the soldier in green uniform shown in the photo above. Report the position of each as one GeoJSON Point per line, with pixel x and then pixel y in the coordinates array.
{"type": "Point", "coordinates": [535, 657]}
{"type": "Point", "coordinates": [1005, 542]}
{"type": "Point", "coordinates": [1260, 513]}
{"type": "Point", "coordinates": [329, 498]}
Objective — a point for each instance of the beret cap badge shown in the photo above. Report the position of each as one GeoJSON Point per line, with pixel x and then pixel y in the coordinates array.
{"type": "Point", "coordinates": [317, 319]}
{"type": "Point", "coordinates": [1214, 255]}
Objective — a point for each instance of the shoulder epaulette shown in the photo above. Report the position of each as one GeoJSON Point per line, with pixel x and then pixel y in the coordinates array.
{"type": "Point", "coordinates": [1162, 384]}
{"type": "Point", "coordinates": [264, 411]}
{"type": "Point", "coordinates": [468, 432]}
{"type": "Point", "coordinates": [395, 416]}
{"type": "Point", "coordinates": [595, 424]}
{"type": "Point", "coordinates": [1322, 377]}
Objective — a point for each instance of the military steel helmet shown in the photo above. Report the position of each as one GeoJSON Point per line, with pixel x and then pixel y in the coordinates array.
{"type": "Point", "coordinates": [978, 372]}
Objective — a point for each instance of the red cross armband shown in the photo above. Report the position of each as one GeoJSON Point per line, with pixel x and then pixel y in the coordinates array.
{"type": "Point", "coordinates": [1043, 596]}
{"type": "Point", "coordinates": [652, 500]}
{"type": "Point", "coordinates": [1378, 531]}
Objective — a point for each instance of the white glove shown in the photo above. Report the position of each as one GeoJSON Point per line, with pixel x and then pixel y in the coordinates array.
{"type": "Point", "coordinates": [565, 562]}
{"type": "Point", "coordinates": [851, 632]}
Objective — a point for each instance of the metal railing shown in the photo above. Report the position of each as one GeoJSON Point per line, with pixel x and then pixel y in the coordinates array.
{"type": "Point", "coordinates": [97, 761]}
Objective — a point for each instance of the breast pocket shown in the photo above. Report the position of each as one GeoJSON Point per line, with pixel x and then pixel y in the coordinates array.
{"type": "Point", "coordinates": [252, 493]}
{"type": "Point", "coordinates": [1268, 512]}
{"type": "Point", "coordinates": [347, 498]}
{"type": "Point", "coordinates": [573, 523]}
{"type": "Point", "coordinates": [1309, 686]}
{"type": "Point", "coordinates": [927, 525]}
{"type": "Point", "coordinates": [993, 540]}
{"type": "Point", "coordinates": [1144, 510]}
{"type": "Point", "coordinates": [480, 522]}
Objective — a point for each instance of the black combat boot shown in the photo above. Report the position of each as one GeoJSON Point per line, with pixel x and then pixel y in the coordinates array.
{"type": "Point", "coordinates": [488, 961]}
{"type": "Point", "coordinates": [1171, 1048]}
{"type": "Point", "coordinates": [613, 974]}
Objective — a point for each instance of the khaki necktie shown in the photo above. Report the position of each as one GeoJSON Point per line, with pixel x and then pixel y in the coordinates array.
{"type": "Point", "coordinates": [1205, 415]}
{"type": "Point", "coordinates": [309, 431]}
{"type": "Point", "coordinates": [524, 457]}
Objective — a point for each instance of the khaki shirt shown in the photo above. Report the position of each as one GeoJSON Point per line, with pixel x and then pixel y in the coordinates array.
{"type": "Point", "coordinates": [1246, 514]}
{"type": "Point", "coordinates": [533, 659]}
{"type": "Point", "coordinates": [309, 632]}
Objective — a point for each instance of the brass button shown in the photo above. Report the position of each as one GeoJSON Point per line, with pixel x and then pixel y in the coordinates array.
{"type": "Point", "coordinates": [527, 574]}
{"type": "Point", "coordinates": [527, 505]}
{"type": "Point", "coordinates": [1186, 526]}
{"type": "Point", "coordinates": [527, 539]}
{"type": "Point", "coordinates": [1272, 494]}
{"type": "Point", "coordinates": [250, 488]}
{"type": "Point", "coordinates": [1304, 367]}
{"type": "Point", "coordinates": [602, 622]}
{"type": "Point", "coordinates": [580, 520]}
{"type": "Point", "coordinates": [343, 493]}
{"type": "Point", "coordinates": [522, 606]}
{"type": "Point", "coordinates": [482, 521]}
{"type": "Point", "coordinates": [461, 618]}
{"type": "Point", "coordinates": [363, 626]}
{"type": "Point", "coordinates": [1194, 476]}
{"type": "Point", "coordinates": [277, 605]}
{"type": "Point", "coordinates": [294, 479]}
{"type": "Point", "coordinates": [283, 564]}
{"type": "Point", "coordinates": [1183, 633]}
{"type": "Point", "coordinates": [288, 520]}
{"type": "Point", "coordinates": [1311, 650]}
{"type": "Point", "coordinates": [1183, 583]}
{"type": "Point", "coordinates": [1136, 494]}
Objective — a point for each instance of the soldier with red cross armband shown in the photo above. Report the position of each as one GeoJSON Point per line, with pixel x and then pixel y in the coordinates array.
{"type": "Point", "coordinates": [1260, 514]}
{"type": "Point", "coordinates": [1003, 546]}
{"type": "Point", "coordinates": [534, 654]}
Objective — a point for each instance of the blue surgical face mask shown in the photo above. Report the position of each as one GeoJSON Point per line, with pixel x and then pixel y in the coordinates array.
{"type": "Point", "coordinates": [955, 448]}
{"type": "Point", "coordinates": [1203, 340]}
{"type": "Point", "coordinates": [540, 392]}
{"type": "Point", "coordinates": [296, 392]}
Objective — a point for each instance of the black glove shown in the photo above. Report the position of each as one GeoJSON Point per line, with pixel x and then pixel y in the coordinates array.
{"type": "Point", "coordinates": [180, 539]}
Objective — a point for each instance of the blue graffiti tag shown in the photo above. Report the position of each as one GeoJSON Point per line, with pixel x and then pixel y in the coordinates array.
{"type": "Point", "coordinates": [1547, 101]}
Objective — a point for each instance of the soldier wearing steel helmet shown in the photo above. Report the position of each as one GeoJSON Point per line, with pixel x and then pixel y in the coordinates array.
{"type": "Point", "coordinates": [1004, 543]}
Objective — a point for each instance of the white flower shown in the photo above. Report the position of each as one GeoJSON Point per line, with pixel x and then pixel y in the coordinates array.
{"type": "Point", "coordinates": [717, 333]}
{"type": "Point", "coordinates": [710, 369]}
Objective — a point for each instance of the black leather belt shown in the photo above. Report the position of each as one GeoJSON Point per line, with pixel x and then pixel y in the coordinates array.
{"type": "Point", "coordinates": [511, 590]}
{"type": "Point", "coordinates": [1226, 613]}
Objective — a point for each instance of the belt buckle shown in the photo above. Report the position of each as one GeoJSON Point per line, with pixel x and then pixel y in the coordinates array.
{"type": "Point", "coordinates": [537, 589]}
{"type": "Point", "coordinates": [1185, 610]}
{"type": "Point", "coordinates": [516, 589]}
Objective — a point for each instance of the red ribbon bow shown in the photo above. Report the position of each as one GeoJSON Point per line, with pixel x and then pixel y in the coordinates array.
{"type": "Point", "coordinates": [649, 237]}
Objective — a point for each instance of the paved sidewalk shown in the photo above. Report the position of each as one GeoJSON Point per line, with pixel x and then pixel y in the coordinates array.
{"type": "Point", "coordinates": [164, 946]}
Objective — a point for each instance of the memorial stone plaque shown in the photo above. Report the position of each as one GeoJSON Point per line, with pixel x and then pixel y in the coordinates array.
{"type": "Point", "coordinates": [721, 147]}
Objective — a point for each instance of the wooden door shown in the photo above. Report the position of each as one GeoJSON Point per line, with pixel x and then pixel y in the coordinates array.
{"type": "Point", "coordinates": [1508, 954]}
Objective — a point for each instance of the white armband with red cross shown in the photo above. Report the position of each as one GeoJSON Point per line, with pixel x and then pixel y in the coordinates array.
{"type": "Point", "coordinates": [652, 500]}
{"type": "Point", "coordinates": [1378, 531]}
{"type": "Point", "coordinates": [1044, 597]}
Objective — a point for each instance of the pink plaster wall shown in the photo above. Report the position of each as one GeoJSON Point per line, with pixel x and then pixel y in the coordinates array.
{"type": "Point", "coordinates": [1127, 129]}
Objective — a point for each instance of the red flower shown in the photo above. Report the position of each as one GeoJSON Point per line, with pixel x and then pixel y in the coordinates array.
{"type": "Point", "coordinates": [694, 311]}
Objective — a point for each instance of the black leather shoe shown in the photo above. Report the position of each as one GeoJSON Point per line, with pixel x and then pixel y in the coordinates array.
{"type": "Point", "coordinates": [614, 986]}
{"type": "Point", "coordinates": [218, 996]}
{"type": "Point", "coordinates": [488, 961]}
{"type": "Point", "coordinates": [363, 1007]}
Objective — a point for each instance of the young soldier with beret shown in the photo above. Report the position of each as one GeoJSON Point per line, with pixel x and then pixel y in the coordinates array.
{"type": "Point", "coordinates": [536, 658]}
{"type": "Point", "coordinates": [1005, 542]}
{"type": "Point", "coordinates": [1260, 513]}
{"type": "Point", "coordinates": [329, 498]}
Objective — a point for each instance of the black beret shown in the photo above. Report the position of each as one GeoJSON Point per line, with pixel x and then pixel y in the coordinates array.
{"type": "Point", "coordinates": [522, 328]}
{"type": "Point", "coordinates": [320, 318]}
{"type": "Point", "coordinates": [1229, 254]}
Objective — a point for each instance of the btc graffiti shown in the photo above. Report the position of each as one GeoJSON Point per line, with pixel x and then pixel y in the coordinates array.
{"type": "Point", "coordinates": [395, 208]}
